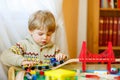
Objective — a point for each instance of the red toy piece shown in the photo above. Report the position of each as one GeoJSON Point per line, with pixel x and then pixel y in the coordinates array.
{"type": "Point", "coordinates": [92, 76]}
{"type": "Point", "coordinates": [106, 56]}
{"type": "Point", "coordinates": [41, 73]}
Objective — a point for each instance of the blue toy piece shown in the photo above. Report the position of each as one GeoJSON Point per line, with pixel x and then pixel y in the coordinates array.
{"type": "Point", "coordinates": [54, 62]}
{"type": "Point", "coordinates": [34, 77]}
{"type": "Point", "coordinates": [28, 76]}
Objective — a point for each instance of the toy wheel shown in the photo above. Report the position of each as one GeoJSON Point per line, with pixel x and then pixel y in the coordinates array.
{"type": "Point", "coordinates": [46, 67]}
{"type": "Point", "coordinates": [32, 68]}
{"type": "Point", "coordinates": [61, 62]}
{"type": "Point", "coordinates": [39, 68]}
{"type": "Point", "coordinates": [26, 68]}
{"type": "Point", "coordinates": [54, 64]}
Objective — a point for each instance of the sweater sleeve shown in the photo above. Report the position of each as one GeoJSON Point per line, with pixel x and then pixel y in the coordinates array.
{"type": "Point", "coordinates": [14, 55]}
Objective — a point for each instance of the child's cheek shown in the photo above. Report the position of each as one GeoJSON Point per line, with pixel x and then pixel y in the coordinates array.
{"type": "Point", "coordinates": [37, 39]}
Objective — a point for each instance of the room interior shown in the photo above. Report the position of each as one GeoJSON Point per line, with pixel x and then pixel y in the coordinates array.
{"type": "Point", "coordinates": [81, 21]}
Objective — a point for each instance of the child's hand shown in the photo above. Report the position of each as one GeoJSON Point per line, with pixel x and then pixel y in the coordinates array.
{"type": "Point", "coordinates": [29, 63]}
{"type": "Point", "coordinates": [60, 56]}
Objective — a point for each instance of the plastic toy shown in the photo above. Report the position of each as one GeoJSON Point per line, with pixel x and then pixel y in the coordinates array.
{"type": "Point", "coordinates": [53, 63]}
{"type": "Point", "coordinates": [106, 56]}
{"type": "Point", "coordinates": [31, 71]}
{"type": "Point", "coordinates": [64, 74]}
{"type": "Point", "coordinates": [94, 77]}
{"type": "Point", "coordinates": [28, 76]}
{"type": "Point", "coordinates": [114, 71]}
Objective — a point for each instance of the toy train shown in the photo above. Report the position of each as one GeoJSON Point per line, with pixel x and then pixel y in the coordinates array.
{"type": "Point", "coordinates": [52, 63]}
{"type": "Point", "coordinates": [31, 72]}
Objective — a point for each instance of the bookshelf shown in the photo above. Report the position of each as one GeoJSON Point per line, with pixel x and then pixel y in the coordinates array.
{"type": "Point", "coordinates": [102, 26]}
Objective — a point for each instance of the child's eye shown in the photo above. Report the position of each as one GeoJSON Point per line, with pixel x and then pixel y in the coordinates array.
{"type": "Point", "coordinates": [49, 34]}
{"type": "Point", "coordinates": [40, 34]}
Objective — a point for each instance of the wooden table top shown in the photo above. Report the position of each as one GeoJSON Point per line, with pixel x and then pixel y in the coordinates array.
{"type": "Point", "coordinates": [89, 66]}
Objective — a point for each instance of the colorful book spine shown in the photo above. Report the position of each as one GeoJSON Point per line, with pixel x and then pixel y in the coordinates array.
{"type": "Point", "coordinates": [115, 3]}
{"type": "Point", "coordinates": [106, 31]}
{"type": "Point", "coordinates": [110, 29]}
{"type": "Point", "coordinates": [118, 3]}
{"type": "Point", "coordinates": [101, 22]}
{"type": "Point", "coordinates": [104, 3]}
{"type": "Point", "coordinates": [111, 3]}
{"type": "Point", "coordinates": [115, 30]}
{"type": "Point", "coordinates": [118, 42]}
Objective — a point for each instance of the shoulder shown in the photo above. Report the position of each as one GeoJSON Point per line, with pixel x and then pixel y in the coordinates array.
{"type": "Point", "coordinates": [27, 41]}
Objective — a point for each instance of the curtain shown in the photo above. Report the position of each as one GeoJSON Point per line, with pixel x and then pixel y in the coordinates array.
{"type": "Point", "coordinates": [14, 16]}
{"type": "Point", "coordinates": [82, 24]}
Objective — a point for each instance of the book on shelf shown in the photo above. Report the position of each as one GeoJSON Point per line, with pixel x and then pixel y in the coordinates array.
{"type": "Point", "coordinates": [106, 31]}
{"type": "Point", "coordinates": [118, 3]}
{"type": "Point", "coordinates": [115, 30]}
{"type": "Point", "coordinates": [104, 4]}
{"type": "Point", "coordinates": [110, 31]}
{"type": "Point", "coordinates": [109, 3]}
{"type": "Point", "coordinates": [115, 3]}
{"type": "Point", "coordinates": [103, 30]}
{"type": "Point", "coordinates": [118, 40]}
{"type": "Point", "coordinates": [101, 22]}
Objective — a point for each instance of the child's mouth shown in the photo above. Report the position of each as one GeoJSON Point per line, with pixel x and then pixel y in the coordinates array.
{"type": "Point", "coordinates": [44, 42]}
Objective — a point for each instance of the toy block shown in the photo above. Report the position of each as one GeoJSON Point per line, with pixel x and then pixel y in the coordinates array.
{"type": "Point", "coordinates": [60, 74]}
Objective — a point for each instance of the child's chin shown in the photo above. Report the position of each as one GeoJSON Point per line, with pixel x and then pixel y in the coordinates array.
{"type": "Point", "coordinates": [42, 44]}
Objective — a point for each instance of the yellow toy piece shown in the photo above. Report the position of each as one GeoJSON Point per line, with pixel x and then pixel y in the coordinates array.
{"type": "Point", "coordinates": [33, 72]}
{"type": "Point", "coordinates": [60, 74]}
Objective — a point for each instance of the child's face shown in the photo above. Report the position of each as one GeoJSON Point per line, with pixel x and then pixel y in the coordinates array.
{"type": "Point", "coordinates": [41, 37]}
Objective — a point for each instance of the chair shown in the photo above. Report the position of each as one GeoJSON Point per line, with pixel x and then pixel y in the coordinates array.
{"type": "Point", "coordinates": [11, 72]}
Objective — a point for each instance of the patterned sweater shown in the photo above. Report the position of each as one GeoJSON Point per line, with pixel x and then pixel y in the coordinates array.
{"type": "Point", "coordinates": [28, 50]}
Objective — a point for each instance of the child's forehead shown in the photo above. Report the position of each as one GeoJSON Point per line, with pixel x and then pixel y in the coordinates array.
{"type": "Point", "coordinates": [42, 31]}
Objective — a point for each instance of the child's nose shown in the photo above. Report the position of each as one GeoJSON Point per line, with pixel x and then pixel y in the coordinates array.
{"type": "Point", "coordinates": [44, 36]}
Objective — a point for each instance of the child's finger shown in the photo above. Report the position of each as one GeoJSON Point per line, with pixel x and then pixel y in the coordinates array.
{"type": "Point", "coordinates": [57, 57]}
{"type": "Point", "coordinates": [60, 57]}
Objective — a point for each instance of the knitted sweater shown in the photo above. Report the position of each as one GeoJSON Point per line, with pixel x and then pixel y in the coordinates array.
{"type": "Point", "coordinates": [27, 49]}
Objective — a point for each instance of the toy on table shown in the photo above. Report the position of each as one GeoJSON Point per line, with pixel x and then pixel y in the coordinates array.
{"type": "Point", "coordinates": [31, 71]}
{"type": "Point", "coordinates": [92, 76]}
{"type": "Point", "coordinates": [114, 71]}
{"type": "Point", "coordinates": [60, 74]}
{"type": "Point", "coordinates": [106, 56]}
{"type": "Point", "coordinates": [52, 63]}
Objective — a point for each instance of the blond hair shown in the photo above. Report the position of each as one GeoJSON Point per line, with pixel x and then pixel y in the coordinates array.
{"type": "Point", "coordinates": [42, 20]}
